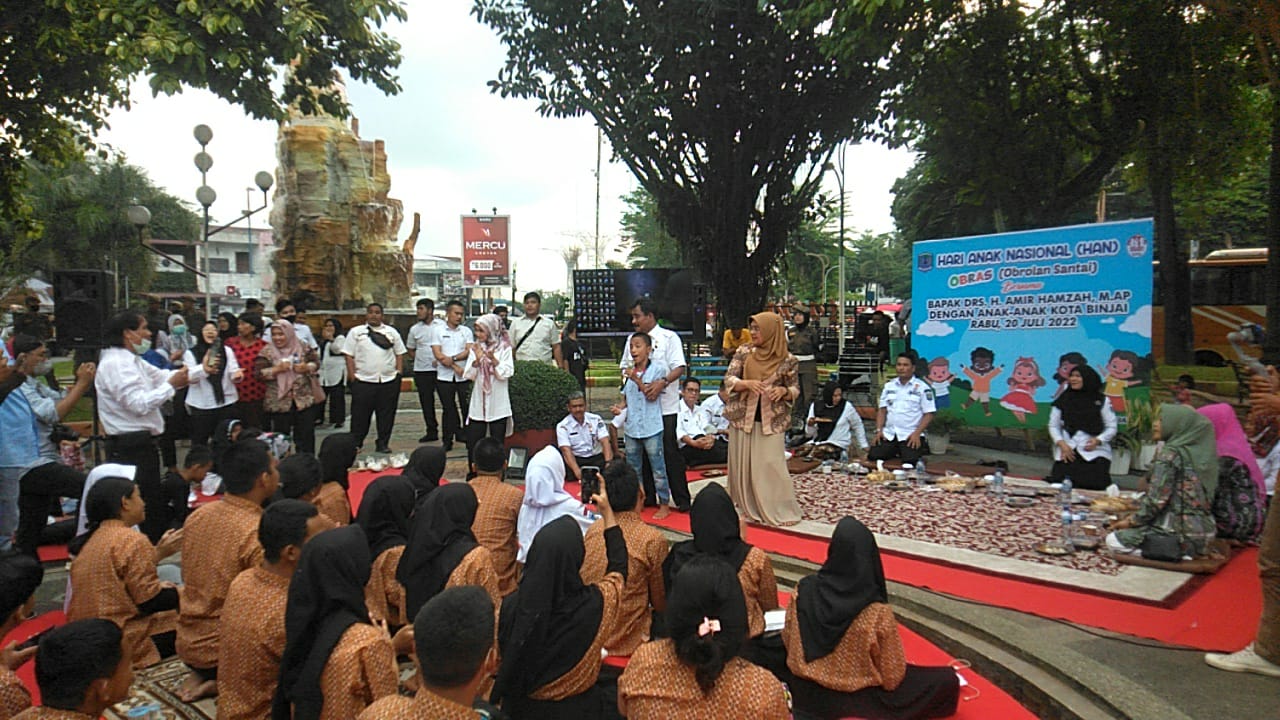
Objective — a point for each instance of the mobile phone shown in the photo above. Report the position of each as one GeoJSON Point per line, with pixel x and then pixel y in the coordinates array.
{"type": "Point", "coordinates": [33, 640]}
{"type": "Point", "coordinates": [516, 459]}
{"type": "Point", "coordinates": [590, 482]}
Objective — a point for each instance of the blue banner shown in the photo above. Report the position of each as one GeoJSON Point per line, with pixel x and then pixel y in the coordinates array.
{"type": "Point", "coordinates": [1001, 319]}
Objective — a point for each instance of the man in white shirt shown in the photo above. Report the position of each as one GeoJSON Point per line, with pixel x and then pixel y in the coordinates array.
{"type": "Point", "coordinates": [287, 310]}
{"type": "Point", "coordinates": [130, 393]}
{"type": "Point", "coordinates": [667, 349]}
{"type": "Point", "coordinates": [697, 445]}
{"type": "Point", "coordinates": [375, 357]}
{"type": "Point", "coordinates": [713, 406]}
{"type": "Point", "coordinates": [421, 336]}
{"type": "Point", "coordinates": [535, 337]}
{"type": "Point", "coordinates": [906, 409]}
{"type": "Point", "coordinates": [583, 437]}
{"type": "Point", "coordinates": [449, 344]}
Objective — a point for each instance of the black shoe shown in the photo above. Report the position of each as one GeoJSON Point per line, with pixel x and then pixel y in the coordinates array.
{"type": "Point", "coordinates": [383, 449]}
{"type": "Point", "coordinates": [448, 445]}
{"type": "Point", "coordinates": [429, 437]}
{"type": "Point", "coordinates": [682, 508]}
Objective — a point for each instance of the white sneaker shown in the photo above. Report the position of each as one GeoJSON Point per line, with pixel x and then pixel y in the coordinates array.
{"type": "Point", "coordinates": [1245, 660]}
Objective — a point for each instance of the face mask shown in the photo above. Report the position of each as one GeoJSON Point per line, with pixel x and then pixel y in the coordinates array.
{"type": "Point", "coordinates": [180, 330]}
{"type": "Point", "coordinates": [44, 367]}
{"type": "Point", "coordinates": [142, 347]}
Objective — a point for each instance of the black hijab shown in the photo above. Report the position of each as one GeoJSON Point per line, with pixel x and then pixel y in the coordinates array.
{"type": "Point", "coordinates": [548, 624]}
{"type": "Point", "coordinates": [828, 409]}
{"type": "Point", "coordinates": [424, 470]}
{"type": "Point", "coordinates": [326, 596]}
{"type": "Point", "coordinates": [440, 538]}
{"type": "Point", "coordinates": [384, 513]}
{"type": "Point", "coordinates": [1082, 409]}
{"type": "Point", "coordinates": [202, 350]}
{"type": "Point", "coordinates": [851, 579]}
{"type": "Point", "coordinates": [221, 441]}
{"type": "Point", "coordinates": [233, 326]}
{"type": "Point", "coordinates": [714, 522]}
{"type": "Point", "coordinates": [337, 455]}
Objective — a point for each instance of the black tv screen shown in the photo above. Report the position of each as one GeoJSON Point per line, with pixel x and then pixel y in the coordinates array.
{"type": "Point", "coordinates": [602, 299]}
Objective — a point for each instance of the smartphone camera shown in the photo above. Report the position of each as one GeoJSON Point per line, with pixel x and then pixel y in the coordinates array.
{"type": "Point", "coordinates": [590, 482]}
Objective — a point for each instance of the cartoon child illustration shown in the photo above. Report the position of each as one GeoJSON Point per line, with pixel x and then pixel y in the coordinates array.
{"type": "Point", "coordinates": [1023, 383]}
{"type": "Point", "coordinates": [981, 371]}
{"type": "Point", "coordinates": [1120, 373]}
{"type": "Point", "coordinates": [940, 378]}
{"type": "Point", "coordinates": [1066, 364]}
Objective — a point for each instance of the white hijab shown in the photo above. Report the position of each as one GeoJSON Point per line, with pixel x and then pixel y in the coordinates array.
{"type": "Point", "coordinates": [545, 498]}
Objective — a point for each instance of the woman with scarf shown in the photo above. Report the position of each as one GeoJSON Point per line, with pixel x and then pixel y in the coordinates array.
{"type": "Point", "coordinates": [1082, 426]}
{"type": "Point", "coordinates": [802, 341]}
{"type": "Point", "coordinates": [697, 673]}
{"type": "Point", "coordinates": [442, 552]}
{"type": "Point", "coordinates": [762, 384]}
{"type": "Point", "coordinates": [717, 531]}
{"type": "Point", "coordinates": [335, 663]}
{"type": "Point", "coordinates": [1240, 501]}
{"type": "Point", "coordinates": [551, 630]}
{"type": "Point", "coordinates": [333, 372]}
{"type": "Point", "coordinates": [545, 499]}
{"type": "Point", "coordinates": [337, 455]}
{"type": "Point", "coordinates": [289, 368]}
{"type": "Point", "coordinates": [1180, 490]}
{"type": "Point", "coordinates": [211, 394]}
{"type": "Point", "coordinates": [227, 323]}
{"type": "Point", "coordinates": [833, 424]}
{"type": "Point", "coordinates": [489, 367]}
{"type": "Point", "coordinates": [384, 515]}
{"type": "Point", "coordinates": [844, 654]}
{"type": "Point", "coordinates": [424, 471]}
{"type": "Point", "coordinates": [247, 346]}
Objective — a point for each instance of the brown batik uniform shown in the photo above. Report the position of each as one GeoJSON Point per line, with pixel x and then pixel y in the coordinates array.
{"type": "Point", "coordinates": [220, 540]}
{"type": "Point", "coordinates": [361, 669]}
{"type": "Point", "coordinates": [383, 594]}
{"type": "Point", "coordinates": [14, 697]}
{"type": "Point", "coordinates": [334, 504]}
{"type": "Point", "coordinates": [495, 527]}
{"type": "Point", "coordinates": [112, 575]}
{"type": "Point", "coordinates": [253, 639]}
{"type": "Point", "coordinates": [869, 655]}
{"type": "Point", "coordinates": [646, 551]}
{"type": "Point", "coordinates": [422, 705]}
{"type": "Point", "coordinates": [582, 676]}
{"type": "Point", "coordinates": [760, 587]}
{"type": "Point", "coordinates": [657, 686]}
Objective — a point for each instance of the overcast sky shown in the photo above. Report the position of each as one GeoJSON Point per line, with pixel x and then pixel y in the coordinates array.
{"type": "Point", "coordinates": [451, 146]}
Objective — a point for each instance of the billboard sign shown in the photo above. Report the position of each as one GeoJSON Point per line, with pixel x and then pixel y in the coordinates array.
{"type": "Point", "coordinates": [486, 250]}
{"type": "Point", "coordinates": [1000, 320]}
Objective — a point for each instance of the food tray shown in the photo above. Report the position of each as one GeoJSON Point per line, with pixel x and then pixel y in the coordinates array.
{"type": "Point", "coordinates": [1019, 502]}
{"type": "Point", "coordinates": [1053, 548]}
{"type": "Point", "coordinates": [898, 485]}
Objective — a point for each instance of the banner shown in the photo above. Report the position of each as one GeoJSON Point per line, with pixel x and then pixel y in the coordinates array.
{"type": "Point", "coordinates": [486, 251]}
{"type": "Point", "coordinates": [1000, 320]}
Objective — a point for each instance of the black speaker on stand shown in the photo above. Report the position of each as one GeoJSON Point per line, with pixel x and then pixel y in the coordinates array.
{"type": "Point", "coordinates": [83, 300]}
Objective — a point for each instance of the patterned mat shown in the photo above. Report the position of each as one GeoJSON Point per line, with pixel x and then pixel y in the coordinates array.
{"type": "Point", "coordinates": [974, 521]}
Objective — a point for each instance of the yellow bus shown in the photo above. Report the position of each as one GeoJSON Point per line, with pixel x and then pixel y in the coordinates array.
{"type": "Point", "coordinates": [1228, 289]}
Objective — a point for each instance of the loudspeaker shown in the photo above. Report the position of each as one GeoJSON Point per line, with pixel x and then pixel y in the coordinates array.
{"type": "Point", "coordinates": [82, 302]}
{"type": "Point", "coordinates": [699, 312]}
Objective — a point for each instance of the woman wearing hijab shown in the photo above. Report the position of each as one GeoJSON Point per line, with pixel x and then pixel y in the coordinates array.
{"type": "Point", "coordinates": [717, 531]}
{"type": "Point", "coordinates": [1184, 478]}
{"type": "Point", "coordinates": [289, 368]}
{"type": "Point", "coordinates": [384, 516]}
{"type": "Point", "coordinates": [424, 470]}
{"type": "Point", "coordinates": [1238, 504]}
{"type": "Point", "coordinates": [697, 672]}
{"type": "Point", "coordinates": [227, 326]}
{"type": "Point", "coordinates": [337, 455]}
{"type": "Point", "coordinates": [212, 390]}
{"type": "Point", "coordinates": [802, 341]}
{"type": "Point", "coordinates": [1082, 426]}
{"type": "Point", "coordinates": [551, 630]}
{"type": "Point", "coordinates": [489, 367]}
{"type": "Point", "coordinates": [762, 385]}
{"type": "Point", "coordinates": [832, 426]}
{"type": "Point", "coordinates": [335, 663]}
{"type": "Point", "coordinates": [442, 551]}
{"type": "Point", "coordinates": [842, 641]}
{"type": "Point", "coordinates": [545, 499]}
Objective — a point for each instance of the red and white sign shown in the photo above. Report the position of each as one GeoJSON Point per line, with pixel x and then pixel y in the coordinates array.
{"type": "Point", "coordinates": [486, 257]}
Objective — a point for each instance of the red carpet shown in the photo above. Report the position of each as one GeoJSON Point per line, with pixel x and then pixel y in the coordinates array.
{"type": "Point", "coordinates": [52, 553]}
{"type": "Point", "coordinates": [39, 623]}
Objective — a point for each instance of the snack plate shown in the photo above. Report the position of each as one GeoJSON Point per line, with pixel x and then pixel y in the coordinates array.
{"type": "Point", "coordinates": [1020, 492]}
{"type": "Point", "coordinates": [1086, 542]}
{"type": "Point", "coordinates": [714, 472]}
{"type": "Point", "coordinates": [898, 485]}
{"type": "Point", "coordinates": [1053, 549]}
{"type": "Point", "coordinates": [1019, 502]}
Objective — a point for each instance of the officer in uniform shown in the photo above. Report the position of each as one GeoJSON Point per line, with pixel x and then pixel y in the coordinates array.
{"type": "Point", "coordinates": [906, 408]}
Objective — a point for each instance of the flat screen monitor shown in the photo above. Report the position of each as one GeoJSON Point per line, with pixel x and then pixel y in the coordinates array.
{"type": "Point", "coordinates": [602, 299]}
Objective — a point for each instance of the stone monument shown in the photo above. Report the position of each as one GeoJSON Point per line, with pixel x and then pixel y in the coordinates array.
{"type": "Point", "coordinates": [335, 225]}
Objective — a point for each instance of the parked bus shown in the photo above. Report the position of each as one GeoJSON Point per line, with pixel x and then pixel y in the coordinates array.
{"type": "Point", "coordinates": [1228, 289]}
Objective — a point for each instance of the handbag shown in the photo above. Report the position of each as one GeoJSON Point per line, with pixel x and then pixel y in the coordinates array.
{"type": "Point", "coordinates": [1161, 546]}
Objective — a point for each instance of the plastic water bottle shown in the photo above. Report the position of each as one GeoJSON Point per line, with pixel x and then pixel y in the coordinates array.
{"type": "Point", "coordinates": [924, 476]}
{"type": "Point", "coordinates": [997, 484]}
{"type": "Point", "coordinates": [1066, 527]}
{"type": "Point", "coordinates": [1064, 495]}
{"type": "Point", "coordinates": [912, 477]}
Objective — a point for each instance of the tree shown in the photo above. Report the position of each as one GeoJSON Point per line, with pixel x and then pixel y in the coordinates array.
{"type": "Point", "coordinates": [68, 62]}
{"type": "Point", "coordinates": [648, 244]}
{"type": "Point", "coordinates": [723, 110]}
{"type": "Point", "coordinates": [883, 259]}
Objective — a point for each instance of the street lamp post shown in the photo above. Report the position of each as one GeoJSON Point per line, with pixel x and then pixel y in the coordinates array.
{"type": "Point", "coordinates": [822, 259]}
{"type": "Point", "coordinates": [206, 196]}
{"type": "Point", "coordinates": [838, 171]}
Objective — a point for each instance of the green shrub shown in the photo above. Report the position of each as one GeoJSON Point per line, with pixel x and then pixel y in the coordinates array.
{"type": "Point", "coordinates": [538, 395]}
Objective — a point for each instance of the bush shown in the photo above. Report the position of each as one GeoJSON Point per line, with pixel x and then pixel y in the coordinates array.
{"type": "Point", "coordinates": [538, 395]}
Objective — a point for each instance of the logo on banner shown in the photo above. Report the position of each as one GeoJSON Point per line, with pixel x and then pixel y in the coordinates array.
{"type": "Point", "coordinates": [1137, 246]}
{"type": "Point", "coordinates": [924, 262]}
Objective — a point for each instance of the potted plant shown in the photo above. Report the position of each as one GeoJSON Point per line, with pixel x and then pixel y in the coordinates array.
{"type": "Point", "coordinates": [940, 429]}
{"type": "Point", "coordinates": [1126, 445]}
{"type": "Point", "coordinates": [1139, 420]}
{"type": "Point", "coordinates": [539, 393]}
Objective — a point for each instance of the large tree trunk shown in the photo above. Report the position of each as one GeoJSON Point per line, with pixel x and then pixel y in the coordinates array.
{"type": "Point", "coordinates": [1271, 348]}
{"type": "Point", "coordinates": [1175, 276]}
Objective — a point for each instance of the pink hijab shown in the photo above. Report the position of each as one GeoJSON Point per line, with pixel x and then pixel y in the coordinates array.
{"type": "Point", "coordinates": [292, 349]}
{"type": "Point", "coordinates": [1232, 442]}
{"type": "Point", "coordinates": [496, 338]}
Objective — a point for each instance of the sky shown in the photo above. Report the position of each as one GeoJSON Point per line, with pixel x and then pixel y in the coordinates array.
{"type": "Point", "coordinates": [452, 146]}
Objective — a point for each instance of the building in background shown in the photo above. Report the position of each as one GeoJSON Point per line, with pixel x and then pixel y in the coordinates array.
{"type": "Point", "coordinates": [438, 277]}
{"type": "Point", "coordinates": [238, 263]}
